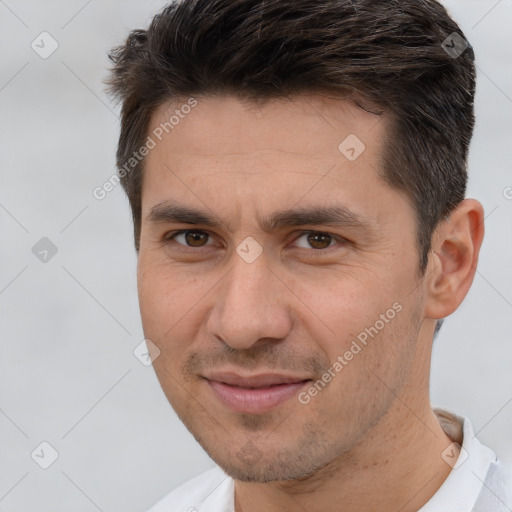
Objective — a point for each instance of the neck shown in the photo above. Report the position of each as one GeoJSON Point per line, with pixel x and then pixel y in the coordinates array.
{"type": "Point", "coordinates": [396, 466]}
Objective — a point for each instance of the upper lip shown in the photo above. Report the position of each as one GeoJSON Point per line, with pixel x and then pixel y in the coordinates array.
{"type": "Point", "coordinates": [262, 380]}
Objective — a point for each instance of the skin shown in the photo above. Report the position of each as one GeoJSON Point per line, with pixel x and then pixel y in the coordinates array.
{"type": "Point", "coordinates": [369, 440]}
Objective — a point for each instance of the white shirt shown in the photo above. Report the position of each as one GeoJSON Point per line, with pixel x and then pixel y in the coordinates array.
{"type": "Point", "coordinates": [478, 482]}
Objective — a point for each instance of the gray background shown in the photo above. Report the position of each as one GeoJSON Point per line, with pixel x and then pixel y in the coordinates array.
{"type": "Point", "coordinates": [69, 326]}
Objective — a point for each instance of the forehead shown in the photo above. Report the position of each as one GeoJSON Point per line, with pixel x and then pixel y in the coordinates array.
{"type": "Point", "coordinates": [281, 143]}
{"type": "Point", "coordinates": [242, 159]}
{"type": "Point", "coordinates": [308, 125]}
{"type": "Point", "coordinates": [242, 166]}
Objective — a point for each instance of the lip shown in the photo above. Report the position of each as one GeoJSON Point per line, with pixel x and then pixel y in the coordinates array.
{"type": "Point", "coordinates": [254, 394]}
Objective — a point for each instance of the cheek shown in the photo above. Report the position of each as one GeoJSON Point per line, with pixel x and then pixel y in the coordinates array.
{"type": "Point", "coordinates": [340, 313]}
{"type": "Point", "coordinates": [165, 295]}
{"type": "Point", "coordinates": [172, 305]}
{"type": "Point", "coordinates": [370, 362]}
{"type": "Point", "coordinates": [155, 300]}
{"type": "Point", "coordinates": [368, 323]}
{"type": "Point", "coordinates": [164, 303]}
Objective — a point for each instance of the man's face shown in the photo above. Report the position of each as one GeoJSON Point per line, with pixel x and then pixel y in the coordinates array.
{"type": "Point", "coordinates": [251, 310]}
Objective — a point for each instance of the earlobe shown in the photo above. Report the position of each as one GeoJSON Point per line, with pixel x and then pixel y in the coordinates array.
{"type": "Point", "coordinates": [455, 248]}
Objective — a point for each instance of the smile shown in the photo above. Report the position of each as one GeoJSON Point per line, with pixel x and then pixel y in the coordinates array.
{"type": "Point", "coordinates": [254, 395]}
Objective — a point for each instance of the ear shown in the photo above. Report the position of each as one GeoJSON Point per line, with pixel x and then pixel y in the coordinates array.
{"type": "Point", "coordinates": [453, 259]}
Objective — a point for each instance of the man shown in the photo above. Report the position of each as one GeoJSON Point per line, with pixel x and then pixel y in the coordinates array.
{"type": "Point", "coordinates": [296, 172]}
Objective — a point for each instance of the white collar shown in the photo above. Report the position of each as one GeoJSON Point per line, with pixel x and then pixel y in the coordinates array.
{"type": "Point", "coordinates": [459, 492]}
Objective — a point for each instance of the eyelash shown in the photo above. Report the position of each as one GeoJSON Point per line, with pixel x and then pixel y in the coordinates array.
{"type": "Point", "coordinates": [169, 238]}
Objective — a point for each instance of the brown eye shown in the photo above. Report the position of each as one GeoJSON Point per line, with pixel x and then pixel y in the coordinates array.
{"type": "Point", "coordinates": [196, 238]}
{"type": "Point", "coordinates": [315, 240]}
{"type": "Point", "coordinates": [319, 240]}
{"type": "Point", "coordinates": [191, 238]}
{"type": "Point", "coordinates": [319, 245]}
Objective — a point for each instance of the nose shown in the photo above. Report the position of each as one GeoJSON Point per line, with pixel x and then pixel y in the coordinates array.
{"type": "Point", "coordinates": [251, 307]}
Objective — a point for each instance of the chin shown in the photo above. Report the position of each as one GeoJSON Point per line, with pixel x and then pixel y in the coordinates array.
{"type": "Point", "coordinates": [278, 467]}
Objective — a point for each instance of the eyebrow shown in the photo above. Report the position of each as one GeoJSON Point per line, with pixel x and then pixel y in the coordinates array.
{"type": "Point", "coordinates": [336, 216]}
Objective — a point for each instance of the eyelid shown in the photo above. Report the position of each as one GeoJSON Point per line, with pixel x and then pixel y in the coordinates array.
{"type": "Point", "coordinates": [170, 237]}
{"type": "Point", "coordinates": [336, 238]}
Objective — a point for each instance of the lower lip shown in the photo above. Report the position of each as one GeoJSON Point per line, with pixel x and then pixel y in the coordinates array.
{"type": "Point", "coordinates": [254, 401]}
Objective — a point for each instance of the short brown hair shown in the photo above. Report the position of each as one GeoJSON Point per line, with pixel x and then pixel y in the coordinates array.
{"type": "Point", "coordinates": [392, 53]}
